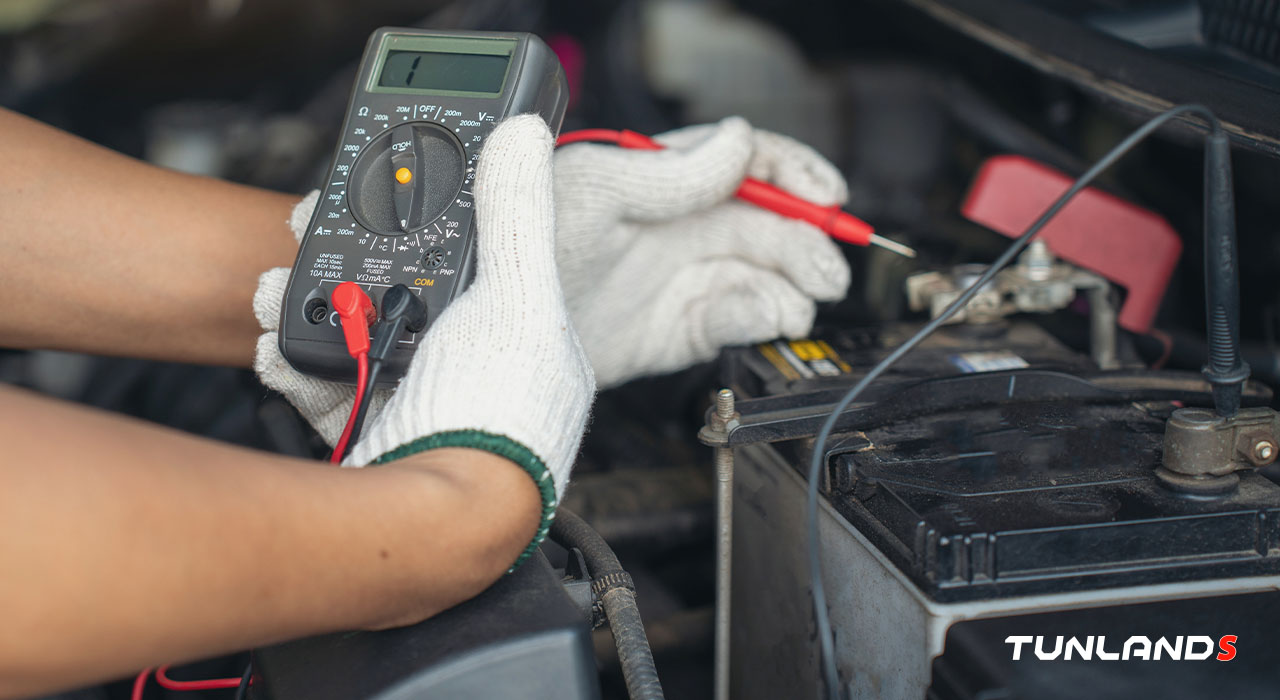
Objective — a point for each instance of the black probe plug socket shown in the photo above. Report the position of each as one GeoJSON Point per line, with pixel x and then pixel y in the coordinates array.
{"type": "Point", "coordinates": [402, 312]}
{"type": "Point", "coordinates": [399, 302]}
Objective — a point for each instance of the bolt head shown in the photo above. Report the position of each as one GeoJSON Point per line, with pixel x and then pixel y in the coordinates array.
{"type": "Point", "coordinates": [1264, 450]}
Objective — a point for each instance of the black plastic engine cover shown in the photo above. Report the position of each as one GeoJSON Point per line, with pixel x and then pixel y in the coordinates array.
{"type": "Point", "coordinates": [523, 637]}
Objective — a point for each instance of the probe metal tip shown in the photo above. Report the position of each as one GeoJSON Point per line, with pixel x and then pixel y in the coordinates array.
{"type": "Point", "coordinates": [894, 246]}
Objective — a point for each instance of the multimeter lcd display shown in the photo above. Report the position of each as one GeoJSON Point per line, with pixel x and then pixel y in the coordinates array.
{"type": "Point", "coordinates": [452, 72]}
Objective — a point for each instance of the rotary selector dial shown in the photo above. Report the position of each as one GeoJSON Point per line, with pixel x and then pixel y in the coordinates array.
{"type": "Point", "coordinates": [406, 178]}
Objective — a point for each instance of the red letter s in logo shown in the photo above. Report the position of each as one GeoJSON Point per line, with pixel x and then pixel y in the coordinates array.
{"type": "Point", "coordinates": [1228, 646]}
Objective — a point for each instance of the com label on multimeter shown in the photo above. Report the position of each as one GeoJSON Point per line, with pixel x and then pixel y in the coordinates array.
{"type": "Point", "coordinates": [397, 206]}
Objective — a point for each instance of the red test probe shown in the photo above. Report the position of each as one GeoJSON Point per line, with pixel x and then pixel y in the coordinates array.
{"type": "Point", "coordinates": [836, 223]}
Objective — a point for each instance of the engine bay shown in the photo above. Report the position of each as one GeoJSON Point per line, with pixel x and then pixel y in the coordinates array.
{"type": "Point", "coordinates": [1052, 464]}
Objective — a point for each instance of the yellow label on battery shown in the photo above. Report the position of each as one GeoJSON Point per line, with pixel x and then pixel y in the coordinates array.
{"type": "Point", "coordinates": [807, 350]}
{"type": "Point", "coordinates": [832, 355]}
{"type": "Point", "coordinates": [779, 363]}
{"type": "Point", "coordinates": [804, 359]}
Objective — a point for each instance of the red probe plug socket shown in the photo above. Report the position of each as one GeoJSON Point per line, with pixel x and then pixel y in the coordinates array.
{"type": "Point", "coordinates": [355, 309]}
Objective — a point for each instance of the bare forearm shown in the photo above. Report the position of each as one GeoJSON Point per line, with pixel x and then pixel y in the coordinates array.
{"type": "Point", "coordinates": [188, 548]}
{"type": "Point", "coordinates": [103, 253]}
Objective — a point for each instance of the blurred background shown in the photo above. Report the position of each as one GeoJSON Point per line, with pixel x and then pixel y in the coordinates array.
{"type": "Point", "coordinates": [906, 97]}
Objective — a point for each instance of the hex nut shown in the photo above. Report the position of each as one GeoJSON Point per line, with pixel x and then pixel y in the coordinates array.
{"type": "Point", "coordinates": [1258, 447]}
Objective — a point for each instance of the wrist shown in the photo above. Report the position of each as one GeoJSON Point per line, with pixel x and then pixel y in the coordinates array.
{"type": "Point", "coordinates": [449, 450]}
{"type": "Point", "coordinates": [479, 511]}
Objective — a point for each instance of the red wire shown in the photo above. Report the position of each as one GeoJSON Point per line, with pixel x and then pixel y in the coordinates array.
{"type": "Point", "coordinates": [624, 138]}
{"type": "Point", "coordinates": [582, 135]}
{"type": "Point", "coordinates": [140, 684]}
{"type": "Point", "coordinates": [162, 677]}
{"type": "Point", "coordinates": [362, 381]}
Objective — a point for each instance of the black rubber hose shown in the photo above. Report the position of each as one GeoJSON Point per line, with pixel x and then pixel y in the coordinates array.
{"type": "Point", "coordinates": [571, 531]}
{"type": "Point", "coordinates": [633, 645]}
{"type": "Point", "coordinates": [613, 589]}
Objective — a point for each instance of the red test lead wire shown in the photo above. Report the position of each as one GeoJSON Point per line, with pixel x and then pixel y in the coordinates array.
{"type": "Point", "coordinates": [624, 138]}
{"type": "Point", "coordinates": [140, 685]}
{"type": "Point", "coordinates": [356, 312]}
{"type": "Point", "coordinates": [838, 224]}
{"type": "Point", "coordinates": [362, 381]}
{"type": "Point", "coordinates": [163, 679]}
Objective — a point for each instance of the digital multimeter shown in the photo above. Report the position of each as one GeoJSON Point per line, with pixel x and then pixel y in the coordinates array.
{"type": "Point", "coordinates": [397, 206]}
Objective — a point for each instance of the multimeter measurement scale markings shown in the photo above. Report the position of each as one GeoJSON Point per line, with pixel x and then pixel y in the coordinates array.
{"type": "Point", "coordinates": [433, 259]}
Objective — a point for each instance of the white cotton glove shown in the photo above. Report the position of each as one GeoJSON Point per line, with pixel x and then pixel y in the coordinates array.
{"type": "Point", "coordinates": [501, 369]}
{"type": "Point", "coordinates": [662, 267]}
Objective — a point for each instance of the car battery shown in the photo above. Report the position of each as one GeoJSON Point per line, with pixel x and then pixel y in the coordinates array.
{"type": "Point", "coordinates": [991, 474]}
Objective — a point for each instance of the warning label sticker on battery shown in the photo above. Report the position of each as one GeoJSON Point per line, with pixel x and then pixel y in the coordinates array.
{"type": "Point", "coordinates": [804, 359]}
{"type": "Point", "coordinates": [994, 361]}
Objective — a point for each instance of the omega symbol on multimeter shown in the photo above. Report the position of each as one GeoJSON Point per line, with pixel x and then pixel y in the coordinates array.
{"type": "Point", "coordinates": [397, 207]}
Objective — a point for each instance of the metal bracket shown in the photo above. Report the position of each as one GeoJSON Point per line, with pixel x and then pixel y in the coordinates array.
{"type": "Point", "coordinates": [1037, 284]}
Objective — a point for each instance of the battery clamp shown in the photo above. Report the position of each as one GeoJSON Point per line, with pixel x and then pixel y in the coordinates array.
{"type": "Point", "coordinates": [397, 207]}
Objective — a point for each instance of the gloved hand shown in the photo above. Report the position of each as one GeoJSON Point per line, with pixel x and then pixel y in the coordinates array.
{"type": "Point", "coordinates": [501, 369]}
{"type": "Point", "coordinates": [662, 267]}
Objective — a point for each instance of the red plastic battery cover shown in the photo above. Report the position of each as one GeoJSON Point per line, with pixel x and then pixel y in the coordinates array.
{"type": "Point", "coordinates": [1128, 245]}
